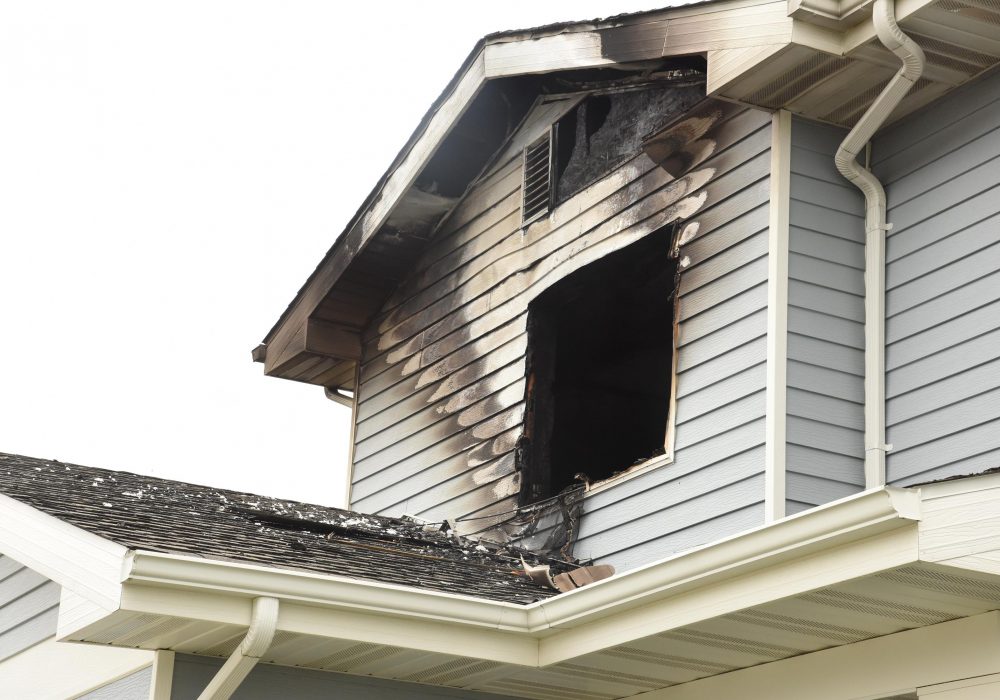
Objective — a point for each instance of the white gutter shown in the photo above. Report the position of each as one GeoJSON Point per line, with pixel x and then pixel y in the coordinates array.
{"type": "Point", "coordinates": [893, 38]}
{"type": "Point", "coordinates": [263, 623]}
{"type": "Point", "coordinates": [508, 632]}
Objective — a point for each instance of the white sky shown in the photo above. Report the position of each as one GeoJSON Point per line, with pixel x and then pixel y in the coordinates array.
{"type": "Point", "coordinates": [170, 173]}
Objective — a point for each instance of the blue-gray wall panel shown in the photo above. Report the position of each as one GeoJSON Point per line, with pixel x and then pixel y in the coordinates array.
{"type": "Point", "coordinates": [266, 682]}
{"type": "Point", "coordinates": [941, 169]}
{"type": "Point", "coordinates": [29, 605]}
{"type": "Point", "coordinates": [715, 485]}
{"type": "Point", "coordinates": [825, 399]}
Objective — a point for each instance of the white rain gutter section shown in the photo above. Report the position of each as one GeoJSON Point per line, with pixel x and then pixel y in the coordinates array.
{"type": "Point", "coordinates": [263, 623]}
{"type": "Point", "coordinates": [893, 38]}
{"type": "Point", "coordinates": [531, 635]}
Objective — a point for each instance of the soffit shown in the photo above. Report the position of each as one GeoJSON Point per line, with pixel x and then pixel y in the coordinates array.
{"type": "Point", "coordinates": [894, 600]}
{"type": "Point", "coordinates": [834, 76]}
{"type": "Point", "coordinates": [898, 565]}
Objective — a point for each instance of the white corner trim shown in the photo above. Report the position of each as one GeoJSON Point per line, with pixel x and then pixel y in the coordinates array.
{"type": "Point", "coordinates": [86, 564]}
{"type": "Point", "coordinates": [777, 318]}
{"type": "Point", "coordinates": [162, 683]}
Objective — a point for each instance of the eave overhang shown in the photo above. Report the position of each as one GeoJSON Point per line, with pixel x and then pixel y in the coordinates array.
{"type": "Point", "coordinates": [874, 564]}
{"type": "Point", "coordinates": [816, 58]}
{"type": "Point", "coordinates": [877, 563]}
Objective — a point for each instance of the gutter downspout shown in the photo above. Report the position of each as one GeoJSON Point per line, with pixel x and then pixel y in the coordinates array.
{"type": "Point", "coordinates": [893, 38]}
{"type": "Point", "coordinates": [263, 623]}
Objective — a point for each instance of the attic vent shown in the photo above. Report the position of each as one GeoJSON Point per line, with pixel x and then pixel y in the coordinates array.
{"type": "Point", "coordinates": [536, 191]}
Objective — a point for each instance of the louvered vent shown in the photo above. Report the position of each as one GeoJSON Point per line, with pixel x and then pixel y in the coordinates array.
{"type": "Point", "coordinates": [537, 190]}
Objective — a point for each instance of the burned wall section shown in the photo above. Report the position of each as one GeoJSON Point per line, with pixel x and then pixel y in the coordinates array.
{"type": "Point", "coordinates": [441, 409]}
{"type": "Point", "coordinates": [607, 129]}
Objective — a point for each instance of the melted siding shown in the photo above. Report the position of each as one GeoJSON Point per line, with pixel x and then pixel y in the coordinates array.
{"type": "Point", "coordinates": [442, 383]}
{"type": "Point", "coordinates": [826, 314]}
{"type": "Point", "coordinates": [29, 605]}
{"type": "Point", "coordinates": [942, 173]}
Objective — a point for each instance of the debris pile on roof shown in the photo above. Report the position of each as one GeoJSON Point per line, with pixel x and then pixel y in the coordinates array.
{"type": "Point", "coordinates": [147, 513]}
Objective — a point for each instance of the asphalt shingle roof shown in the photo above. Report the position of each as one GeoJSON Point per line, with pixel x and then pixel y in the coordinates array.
{"type": "Point", "coordinates": [161, 515]}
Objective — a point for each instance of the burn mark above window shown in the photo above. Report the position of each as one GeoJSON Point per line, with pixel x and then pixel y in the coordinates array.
{"type": "Point", "coordinates": [593, 138]}
{"type": "Point", "coordinates": [600, 369]}
{"type": "Point", "coordinates": [605, 130]}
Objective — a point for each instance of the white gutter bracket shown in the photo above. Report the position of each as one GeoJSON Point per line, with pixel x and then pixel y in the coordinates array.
{"type": "Point", "coordinates": [912, 56]}
{"type": "Point", "coordinates": [263, 623]}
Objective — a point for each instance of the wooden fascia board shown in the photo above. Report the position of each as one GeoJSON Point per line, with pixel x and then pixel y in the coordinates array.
{"type": "Point", "coordinates": [386, 196]}
{"type": "Point", "coordinates": [88, 565]}
{"type": "Point", "coordinates": [309, 338]}
{"type": "Point", "coordinates": [580, 45]}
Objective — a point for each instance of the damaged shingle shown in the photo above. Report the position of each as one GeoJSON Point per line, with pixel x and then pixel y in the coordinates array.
{"type": "Point", "coordinates": [142, 512]}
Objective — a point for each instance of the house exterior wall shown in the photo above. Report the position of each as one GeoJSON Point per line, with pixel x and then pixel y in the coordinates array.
{"type": "Point", "coordinates": [826, 314]}
{"type": "Point", "coordinates": [441, 393]}
{"type": "Point", "coordinates": [34, 665]}
{"type": "Point", "coordinates": [941, 168]}
{"type": "Point", "coordinates": [29, 606]}
{"type": "Point", "coordinates": [265, 682]}
{"type": "Point", "coordinates": [715, 485]}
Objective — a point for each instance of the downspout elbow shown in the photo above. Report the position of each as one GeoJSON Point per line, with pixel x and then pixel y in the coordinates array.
{"type": "Point", "coordinates": [260, 635]}
{"type": "Point", "coordinates": [912, 59]}
{"type": "Point", "coordinates": [893, 38]}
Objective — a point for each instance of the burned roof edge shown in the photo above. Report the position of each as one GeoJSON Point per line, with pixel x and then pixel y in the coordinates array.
{"type": "Point", "coordinates": [420, 130]}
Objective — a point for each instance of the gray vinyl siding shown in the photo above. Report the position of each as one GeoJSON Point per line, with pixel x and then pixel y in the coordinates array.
{"type": "Point", "coordinates": [442, 381]}
{"type": "Point", "coordinates": [266, 682]}
{"type": "Point", "coordinates": [941, 168]}
{"type": "Point", "coordinates": [134, 686]}
{"type": "Point", "coordinates": [826, 314]}
{"type": "Point", "coordinates": [29, 606]}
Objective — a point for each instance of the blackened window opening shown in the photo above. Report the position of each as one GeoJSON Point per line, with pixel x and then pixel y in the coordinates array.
{"type": "Point", "coordinates": [600, 369]}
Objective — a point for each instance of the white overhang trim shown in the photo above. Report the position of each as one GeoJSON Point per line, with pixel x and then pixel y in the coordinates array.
{"type": "Point", "coordinates": [565, 626]}
{"type": "Point", "coordinates": [79, 561]}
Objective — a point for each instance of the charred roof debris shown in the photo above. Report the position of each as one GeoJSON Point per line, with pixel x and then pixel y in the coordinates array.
{"type": "Point", "coordinates": [152, 514]}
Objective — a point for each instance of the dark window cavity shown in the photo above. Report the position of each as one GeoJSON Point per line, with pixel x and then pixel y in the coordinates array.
{"type": "Point", "coordinates": [600, 368]}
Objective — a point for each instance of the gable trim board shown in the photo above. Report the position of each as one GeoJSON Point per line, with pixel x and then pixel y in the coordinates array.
{"type": "Point", "coordinates": [753, 47]}
{"type": "Point", "coordinates": [79, 561]}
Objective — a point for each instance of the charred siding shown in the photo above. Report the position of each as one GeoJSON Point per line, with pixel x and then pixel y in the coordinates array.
{"type": "Point", "coordinates": [826, 314]}
{"type": "Point", "coordinates": [714, 487]}
{"type": "Point", "coordinates": [942, 173]}
{"type": "Point", "coordinates": [442, 380]}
